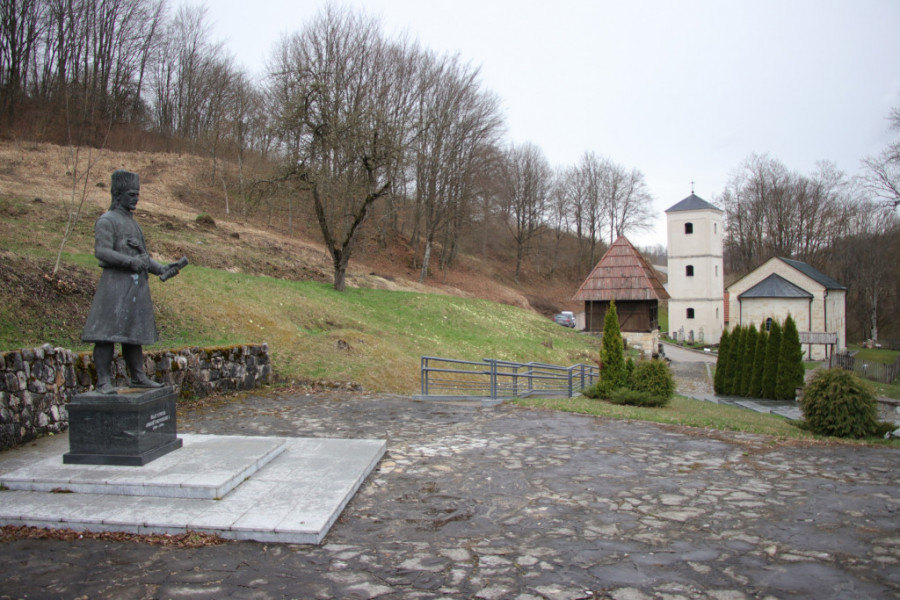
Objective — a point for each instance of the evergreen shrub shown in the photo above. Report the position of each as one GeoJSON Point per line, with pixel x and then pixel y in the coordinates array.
{"type": "Point", "coordinates": [636, 398]}
{"type": "Point", "coordinates": [836, 402]}
{"type": "Point", "coordinates": [791, 373]}
{"type": "Point", "coordinates": [722, 362]}
{"type": "Point", "coordinates": [654, 377]}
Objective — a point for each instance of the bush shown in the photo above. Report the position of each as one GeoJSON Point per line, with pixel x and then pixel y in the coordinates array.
{"type": "Point", "coordinates": [791, 373]}
{"type": "Point", "coordinates": [599, 391]}
{"type": "Point", "coordinates": [612, 348]}
{"type": "Point", "coordinates": [653, 377]}
{"type": "Point", "coordinates": [838, 403]}
{"type": "Point", "coordinates": [636, 398]}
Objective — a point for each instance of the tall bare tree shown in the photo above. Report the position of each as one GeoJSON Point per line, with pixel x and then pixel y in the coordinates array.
{"type": "Point", "coordinates": [771, 211]}
{"type": "Point", "coordinates": [342, 115]}
{"type": "Point", "coordinates": [528, 179]}
{"type": "Point", "coordinates": [456, 122]}
{"type": "Point", "coordinates": [627, 200]}
{"type": "Point", "coordinates": [21, 25]}
{"type": "Point", "coordinates": [882, 178]}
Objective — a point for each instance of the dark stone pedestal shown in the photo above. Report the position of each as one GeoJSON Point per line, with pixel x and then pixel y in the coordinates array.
{"type": "Point", "coordinates": [131, 427]}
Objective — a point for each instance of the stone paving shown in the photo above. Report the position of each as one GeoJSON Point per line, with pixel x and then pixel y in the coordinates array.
{"type": "Point", "coordinates": [505, 502]}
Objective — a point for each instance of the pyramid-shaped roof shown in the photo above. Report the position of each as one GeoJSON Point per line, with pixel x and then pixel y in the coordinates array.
{"type": "Point", "coordinates": [775, 286]}
{"type": "Point", "coordinates": [693, 202]}
{"type": "Point", "coordinates": [622, 274]}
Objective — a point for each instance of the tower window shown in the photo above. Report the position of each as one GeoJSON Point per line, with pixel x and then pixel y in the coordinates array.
{"type": "Point", "coordinates": [690, 313]}
{"type": "Point", "coordinates": [715, 228]}
{"type": "Point", "coordinates": [689, 228]}
{"type": "Point", "coordinates": [717, 270]}
{"type": "Point", "coordinates": [689, 271]}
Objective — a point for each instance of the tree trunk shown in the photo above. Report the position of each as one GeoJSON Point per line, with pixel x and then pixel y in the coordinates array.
{"type": "Point", "coordinates": [425, 258]}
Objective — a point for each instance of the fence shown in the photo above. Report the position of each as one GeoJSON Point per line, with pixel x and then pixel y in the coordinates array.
{"type": "Point", "coordinates": [875, 371]}
{"type": "Point", "coordinates": [489, 378]}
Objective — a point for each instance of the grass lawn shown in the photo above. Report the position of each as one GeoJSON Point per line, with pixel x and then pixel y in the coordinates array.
{"type": "Point", "coordinates": [692, 413]}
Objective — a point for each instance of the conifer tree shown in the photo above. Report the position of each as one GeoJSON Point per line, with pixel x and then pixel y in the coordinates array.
{"type": "Point", "coordinates": [759, 363]}
{"type": "Point", "coordinates": [747, 352]}
{"type": "Point", "coordinates": [790, 373]}
{"type": "Point", "coordinates": [770, 370]}
{"type": "Point", "coordinates": [732, 378]}
{"type": "Point", "coordinates": [722, 362]}
{"type": "Point", "coordinates": [612, 350]}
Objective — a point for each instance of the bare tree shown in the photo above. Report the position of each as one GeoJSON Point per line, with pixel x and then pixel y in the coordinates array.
{"type": "Point", "coordinates": [882, 179]}
{"type": "Point", "coordinates": [771, 211]}
{"type": "Point", "coordinates": [626, 199]}
{"type": "Point", "coordinates": [21, 25]}
{"type": "Point", "coordinates": [866, 264]}
{"type": "Point", "coordinates": [456, 121]}
{"type": "Point", "coordinates": [583, 184]}
{"type": "Point", "coordinates": [528, 180]}
{"type": "Point", "coordinates": [341, 118]}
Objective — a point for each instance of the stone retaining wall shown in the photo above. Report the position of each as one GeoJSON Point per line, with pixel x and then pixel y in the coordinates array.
{"type": "Point", "coordinates": [36, 384]}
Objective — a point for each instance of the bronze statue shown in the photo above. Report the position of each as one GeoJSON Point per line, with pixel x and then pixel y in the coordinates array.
{"type": "Point", "coordinates": [122, 311]}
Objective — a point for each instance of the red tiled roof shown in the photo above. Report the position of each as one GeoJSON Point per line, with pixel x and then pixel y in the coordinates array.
{"type": "Point", "coordinates": [622, 274]}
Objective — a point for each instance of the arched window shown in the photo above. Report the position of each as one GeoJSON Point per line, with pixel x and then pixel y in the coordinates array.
{"type": "Point", "coordinates": [769, 324]}
{"type": "Point", "coordinates": [689, 228]}
{"type": "Point", "coordinates": [689, 271]}
{"type": "Point", "coordinates": [717, 270]}
{"type": "Point", "coordinates": [715, 228]}
{"type": "Point", "coordinates": [690, 313]}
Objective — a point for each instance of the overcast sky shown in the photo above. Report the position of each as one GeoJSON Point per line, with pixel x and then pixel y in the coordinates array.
{"type": "Point", "coordinates": [680, 90]}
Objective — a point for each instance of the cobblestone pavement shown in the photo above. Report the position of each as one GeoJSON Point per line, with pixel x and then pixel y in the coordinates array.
{"type": "Point", "coordinates": [506, 502]}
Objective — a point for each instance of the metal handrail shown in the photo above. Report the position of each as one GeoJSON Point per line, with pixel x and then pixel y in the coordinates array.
{"type": "Point", "coordinates": [494, 378]}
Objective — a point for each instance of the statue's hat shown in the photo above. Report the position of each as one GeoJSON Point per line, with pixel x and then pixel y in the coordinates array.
{"type": "Point", "coordinates": [124, 180]}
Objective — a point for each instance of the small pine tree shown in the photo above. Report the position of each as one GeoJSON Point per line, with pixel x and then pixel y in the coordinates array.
{"type": "Point", "coordinates": [770, 370]}
{"type": "Point", "coordinates": [790, 363]}
{"type": "Point", "coordinates": [733, 377]}
{"type": "Point", "coordinates": [747, 353]}
{"type": "Point", "coordinates": [721, 362]}
{"type": "Point", "coordinates": [759, 363]}
{"type": "Point", "coordinates": [612, 350]}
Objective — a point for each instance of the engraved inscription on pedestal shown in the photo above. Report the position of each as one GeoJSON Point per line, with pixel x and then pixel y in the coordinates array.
{"type": "Point", "coordinates": [131, 427]}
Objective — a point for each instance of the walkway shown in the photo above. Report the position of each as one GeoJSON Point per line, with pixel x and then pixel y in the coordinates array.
{"type": "Point", "coordinates": [505, 502]}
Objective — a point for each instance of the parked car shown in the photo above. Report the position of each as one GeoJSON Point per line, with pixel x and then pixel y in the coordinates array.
{"type": "Point", "coordinates": [565, 318]}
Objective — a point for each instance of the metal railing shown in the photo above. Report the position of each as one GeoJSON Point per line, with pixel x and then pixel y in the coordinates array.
{"type": "Point", "coordinates": [448, 378]}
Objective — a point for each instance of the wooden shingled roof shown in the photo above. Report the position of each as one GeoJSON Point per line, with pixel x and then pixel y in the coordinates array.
{"type": "Point", "coordinates": [622, 274]}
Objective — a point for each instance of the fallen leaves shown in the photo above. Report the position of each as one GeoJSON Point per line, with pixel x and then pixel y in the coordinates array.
{"type": "Point", "coordinates": [188, 539]}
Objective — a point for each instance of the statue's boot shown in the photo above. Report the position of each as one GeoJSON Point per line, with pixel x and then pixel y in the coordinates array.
{"type": "Point", "coordinates": [134, 358]}
{"type": "Point", "coordinates": [103, 356]}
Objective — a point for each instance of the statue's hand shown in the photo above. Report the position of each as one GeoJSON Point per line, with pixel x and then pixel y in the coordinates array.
{"type": "Point", "coordinates": [140, 264]}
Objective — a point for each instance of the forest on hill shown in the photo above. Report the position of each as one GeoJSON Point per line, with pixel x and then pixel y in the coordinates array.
{"type": "Point", "coordinates": [384, 152]}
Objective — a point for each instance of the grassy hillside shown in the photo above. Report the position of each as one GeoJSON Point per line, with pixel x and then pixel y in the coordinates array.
{"type": "Point", "coordinates": [369, 336]}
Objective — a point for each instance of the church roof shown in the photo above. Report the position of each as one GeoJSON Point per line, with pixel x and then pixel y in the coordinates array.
{"type": "Point", "coordinates": [775, 286]}
{"type": "Point", "coordinates": [622, 274]}
{"type": "Point", "coordinates": [827, 282]}
{"type": "Point", "coordinates": [693, 202]}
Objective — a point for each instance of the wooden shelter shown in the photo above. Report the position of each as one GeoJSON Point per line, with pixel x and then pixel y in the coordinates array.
{"type": "Point", "coordinates": [625, 276]}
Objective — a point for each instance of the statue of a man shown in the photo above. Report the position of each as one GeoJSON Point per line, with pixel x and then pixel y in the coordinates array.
{"type": "Point", "coordinates": [122, 311]}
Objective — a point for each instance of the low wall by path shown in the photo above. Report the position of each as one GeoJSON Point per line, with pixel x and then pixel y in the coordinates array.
{"type": "Point", "coordinates": [37, 383]}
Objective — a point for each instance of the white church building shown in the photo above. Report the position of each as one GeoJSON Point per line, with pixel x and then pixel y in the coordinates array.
{"type": "Point", "coordinates": [696, 277]}
{"type": "Point", "coordinates": [700, 307]}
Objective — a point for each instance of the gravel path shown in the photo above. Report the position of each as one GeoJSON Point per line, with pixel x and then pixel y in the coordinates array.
{"type": "Point", "coordinates": [506, 502]}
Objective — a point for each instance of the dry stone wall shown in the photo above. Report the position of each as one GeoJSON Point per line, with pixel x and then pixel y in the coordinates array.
{"type": "Point", "coordinates": [37, 383]}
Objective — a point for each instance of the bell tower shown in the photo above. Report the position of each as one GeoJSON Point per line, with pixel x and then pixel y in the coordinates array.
{"type": "Point", "coordinates": [696, 279]}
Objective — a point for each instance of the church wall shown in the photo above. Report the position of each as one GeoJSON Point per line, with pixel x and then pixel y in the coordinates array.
{"type": "Point", "coordinates": [826, 313]}
{"type": "Point", "coordinates": [707, 320]}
